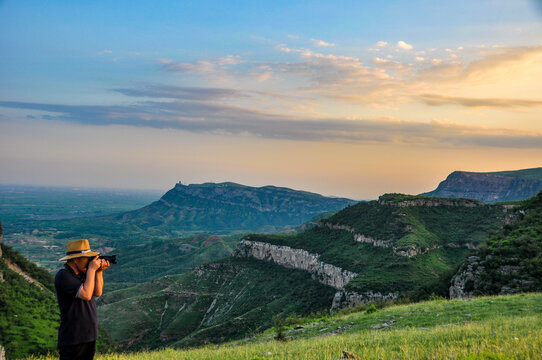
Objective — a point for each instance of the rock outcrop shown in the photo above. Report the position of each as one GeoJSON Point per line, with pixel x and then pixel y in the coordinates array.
{"type": "Point", "coordinates": [343, 299]}
{"type": "Point", "coordinates": [462, 284]}
{"type": "Point", "coordinates": [300, 259]}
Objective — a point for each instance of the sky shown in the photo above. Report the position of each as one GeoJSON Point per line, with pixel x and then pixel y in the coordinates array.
{"type": "Point", "coordinates": [342, 98]}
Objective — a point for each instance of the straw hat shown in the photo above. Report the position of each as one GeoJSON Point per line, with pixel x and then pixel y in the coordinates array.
{"type": "Point", "coordinates": [78, 248]}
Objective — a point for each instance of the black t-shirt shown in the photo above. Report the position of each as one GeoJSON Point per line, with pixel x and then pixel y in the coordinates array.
{"type": "Point", "coordinates": [78, 319]}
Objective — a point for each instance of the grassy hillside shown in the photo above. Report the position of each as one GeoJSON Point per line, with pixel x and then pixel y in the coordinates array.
{"type": "Point", "coordinates": [504, 327]}
{"type": "Point", "coordinates": [215, 302]}
{"type": "Point", "coordinates": [29, 315]}
{"type": "Point", "coordinates": [438, 232]}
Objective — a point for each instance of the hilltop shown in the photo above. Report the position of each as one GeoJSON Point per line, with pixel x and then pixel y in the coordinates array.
{"type": "Point", "coordinates": [222, 208]}
{"type": "Point", "coordinates": [491, 187]}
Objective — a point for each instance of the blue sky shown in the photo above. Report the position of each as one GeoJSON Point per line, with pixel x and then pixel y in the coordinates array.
{"type": "Point", "coordinates": [425, 87]}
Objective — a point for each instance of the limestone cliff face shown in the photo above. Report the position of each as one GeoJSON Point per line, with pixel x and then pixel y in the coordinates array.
{"type": "Point", "coordinates": [327, 274]}
{"type": "Point", "coordinates": [489, 187]}
{"type": "Point", "coordinates": [300, 259]}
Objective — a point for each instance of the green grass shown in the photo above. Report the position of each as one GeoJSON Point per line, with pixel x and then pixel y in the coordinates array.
{"type": "Point", "coordinates": [505, 327]}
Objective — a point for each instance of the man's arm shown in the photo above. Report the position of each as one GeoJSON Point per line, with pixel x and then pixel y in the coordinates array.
{"type": "Point", "coordinates": [87, 289]}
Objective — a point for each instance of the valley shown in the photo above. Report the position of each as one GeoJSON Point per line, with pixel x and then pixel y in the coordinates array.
{"type": "Point", "coordinates": [221, 286]}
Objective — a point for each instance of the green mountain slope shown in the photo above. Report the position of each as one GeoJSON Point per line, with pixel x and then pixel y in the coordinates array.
{"type": "Point", "coordinates": [215, 302]}
{"type": "Point", "coordinates": [511, 261]}
{"type": "Point", "coordinates": [222, 208]}
{"type": "Point", "coordinates": [140, 263]}
{"type": "Point", "coordinates": [29, 315]}
{"type": "Point", "coordinates": [398, 243]}
{"type": "Point", "coordinates": [491, 186]}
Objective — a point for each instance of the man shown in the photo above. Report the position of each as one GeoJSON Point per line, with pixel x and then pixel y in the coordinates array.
{"type": "Point", "coordinates": [76, 285]}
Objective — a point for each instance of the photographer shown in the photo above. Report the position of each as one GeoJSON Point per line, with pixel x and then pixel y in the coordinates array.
{"type": "Point", "coordinates": [76, 285]}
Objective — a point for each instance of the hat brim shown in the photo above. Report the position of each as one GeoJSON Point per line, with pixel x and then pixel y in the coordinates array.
{"type": "Point", "coordinates": [73, 256]}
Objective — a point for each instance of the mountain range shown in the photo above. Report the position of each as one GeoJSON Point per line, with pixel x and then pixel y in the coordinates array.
{"type": "Point", "coordinates": [223, 208]}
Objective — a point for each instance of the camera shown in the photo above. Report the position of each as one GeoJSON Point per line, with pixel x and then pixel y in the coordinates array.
{"type": "Point", "coordinates": [111, 258]}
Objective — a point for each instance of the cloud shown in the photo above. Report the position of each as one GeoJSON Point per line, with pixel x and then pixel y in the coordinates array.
{"type": "Point", "coordinates": [403, 45]}
{"type": "Point", "coordinates": [105, 52]}
{"type": "Point", "coordinates": [385, 81]}
{"type": "Point", "coordinates": [160, 91]}
{"type": "Point", "coordinates": [181, 92]}
{"type": "Point", "coordinates": [381, 43]}
{"type": "Point", "coordinates": [439, 100]}
{"type": "Point", "coordinates": [204, 67]}
{"type": "Point", "coordinates": [222, 119]}
{"type": "Point", "coordinates": [164, 61]}
{"type": "Point", "coordinates": [502, 59]}
{"type": "Point", "coordinates": [322, 43]}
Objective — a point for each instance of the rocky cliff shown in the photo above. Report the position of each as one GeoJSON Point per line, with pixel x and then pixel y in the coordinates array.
{"type": "Point", "coordinates": [491, 187]}
{"type": "Point", "coordinates": [326, 274]}
{"type": "Point", "coordinates": [300, 259]}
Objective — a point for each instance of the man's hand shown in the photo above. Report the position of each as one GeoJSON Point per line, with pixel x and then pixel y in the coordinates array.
{"type": "Point", "coordinates": [94, 264]}
{"type": "Point", "coordinates": [104, 264]}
